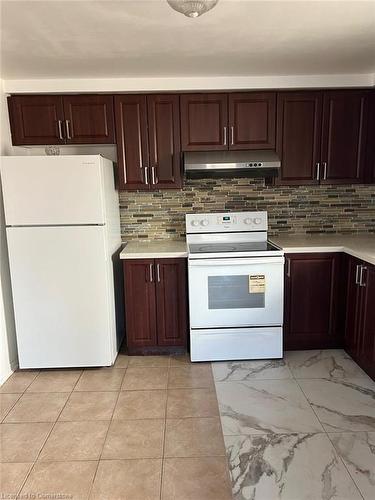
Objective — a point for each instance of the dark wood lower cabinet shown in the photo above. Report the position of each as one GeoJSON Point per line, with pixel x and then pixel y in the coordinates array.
{"type": "Point", "coordinates": [312, 297]}
{"type": "Point", "coordinates": [155, 305]}
{"type": "Point", "coordinates": [360, 317]}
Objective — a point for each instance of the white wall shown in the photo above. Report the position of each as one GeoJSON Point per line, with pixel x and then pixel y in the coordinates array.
{"type": "Point", "coordinates": [8, 345]}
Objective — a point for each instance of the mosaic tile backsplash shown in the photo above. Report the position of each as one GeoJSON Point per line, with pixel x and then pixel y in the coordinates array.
{"type": "Point", "coordinates": [291, 209]}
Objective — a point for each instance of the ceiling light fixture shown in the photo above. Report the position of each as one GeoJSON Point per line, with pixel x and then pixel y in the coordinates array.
{"type": "Point", "coordinates": [192, 8]}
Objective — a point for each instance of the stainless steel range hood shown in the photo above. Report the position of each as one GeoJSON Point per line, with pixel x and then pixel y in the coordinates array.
{"type": "Point", "coordinates": [257, 163]}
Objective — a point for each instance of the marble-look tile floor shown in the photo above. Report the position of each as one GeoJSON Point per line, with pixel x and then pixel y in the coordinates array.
{"type": "Point", "coordinates": [146, 429]}
{"type": "Point", "coordinates": [301, 428]}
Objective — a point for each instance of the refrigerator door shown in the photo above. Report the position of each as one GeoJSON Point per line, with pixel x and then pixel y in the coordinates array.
{"type": "Point", "coordinates": [62, 296]}
{"type": "Point", "coordinates": [52, 190]}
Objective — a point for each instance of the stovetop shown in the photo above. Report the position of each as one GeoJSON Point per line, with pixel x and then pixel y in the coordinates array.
{"type": "Point", "coordinates": [231, 247]}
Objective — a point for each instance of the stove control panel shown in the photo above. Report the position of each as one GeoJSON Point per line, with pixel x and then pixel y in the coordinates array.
{"type": "Point", "coordinates": [226, 222]}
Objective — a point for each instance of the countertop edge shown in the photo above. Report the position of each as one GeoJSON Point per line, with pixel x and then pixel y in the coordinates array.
{"type": "Point", "coordinates": [325, 249]}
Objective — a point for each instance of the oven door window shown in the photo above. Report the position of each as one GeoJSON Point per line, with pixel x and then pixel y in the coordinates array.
{"type": "Point", "coordinates": [236, 292]}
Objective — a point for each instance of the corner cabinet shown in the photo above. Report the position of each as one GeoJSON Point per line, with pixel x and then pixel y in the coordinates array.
{"type": "Point", "coordinates": [148, 142]}
{"type": "Point", "coordinates": [360, 314]}
{"type": "Point", "coordinates": [55, 119]}
{"type": "Point", "coordinates": [242, 121]}
{"type": "Point", "coordinates": [312, 299]}
{"type": "Point", "coordinates": [155, 305]}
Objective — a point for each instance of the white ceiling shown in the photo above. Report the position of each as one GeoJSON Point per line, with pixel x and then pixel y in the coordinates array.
{"type": "Point", "coordinates": [146, 38]}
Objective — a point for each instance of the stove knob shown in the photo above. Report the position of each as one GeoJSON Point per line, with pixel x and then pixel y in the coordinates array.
{"type": "Point", "coordinates": [248, 221]}
{"type": "Point", "coordinates": [204, 222]}
{"type": "Point", "coordinates": [257, 221]}
{"type": "Point", "coordinates": [195, 222]}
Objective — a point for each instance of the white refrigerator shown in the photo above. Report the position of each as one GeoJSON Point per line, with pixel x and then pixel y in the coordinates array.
{"type": "Point", "coordinates": [63, 234]}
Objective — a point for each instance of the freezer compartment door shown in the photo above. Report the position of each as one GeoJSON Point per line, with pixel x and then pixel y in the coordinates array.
{"type": "Point", "coordinates": [52, 190]}
{"type": "Point", "coordinates": [62, 296]}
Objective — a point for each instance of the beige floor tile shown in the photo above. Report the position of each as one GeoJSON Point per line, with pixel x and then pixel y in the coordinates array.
{"type": "Point", "coordinates": [75, 441]}
{"type": "Point", "coordinates": [89, 406]}
{"type": "Point", "coordinates": [12, 477]}
{"type": "Point", "coordinates": [22, 442]}
{"type": "Point", "coordinates": [7, 401]}
{"type": "Point", "coordinates": [71, 480]}
{"type": "Point", "coordinates": [38, 407]}
{"type": "Point", "coordinates": [193, 437]}
{"type": "Point", "coordinates": [122, 361]}
{"type": "Point", "coordinates": [190, 376]}
{"type": "Point", "coordinates": [180, 360]}
{"type": "Point", "coordinates": [134, 439]}
{"type": "Point", "coordinates": [55, 381]}
{"type": "Point", "coordinates": [100, 379]}
{"type": "Point", "coordinates": [143, 378]}
{"type": "Point", "coordinates": [128, 480]}
{"type": "Point", "coordinates": [18, 382]}
{"type": "Point", "coordinates": [141, 404]}
{"type": "Point", "coordinates": [192, 403]}
{"type": "Point", "coordinates": [156, 361]}
{"type": "Point", "coordinates": [195, 479]}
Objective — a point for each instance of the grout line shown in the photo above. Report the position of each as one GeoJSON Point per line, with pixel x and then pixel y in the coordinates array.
{"type": "Point", "coordinates": [165, 433]}
{"type": "Point", "coordinates": [106, 435]}
{"type": "Point", "coordinates": [48, 435]}
{"type": "Point", "coordinates": [327, 435]}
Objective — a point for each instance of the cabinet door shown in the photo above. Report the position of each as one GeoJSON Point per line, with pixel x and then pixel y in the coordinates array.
{"type": "Point", "coordinates": [299, 127]}
{"type": "Point", "coordinates": [367, 326]}
{"type": "Point", "coordinates": [140, 303]}
{"type": "Point", "coordinates": [171, 299]}
{"type": "Point", "coordinates": [164, 140]}
{"type": "Point", "coordinates": [352, 307]}
{"type": "Point", "coordinates": [252, 118]}
{"type": "Point", "coordinates": [312, 292]}
{"type": "Point", "coordinates": [132, 143]}
{"type": "Point", "coordinates": [89, 119]}
{"type": "Point", "coordinates": [36, 119]}
{"type": "Point", "coordinates": [344, 136]}
{"type": "Point", "coordinates": [204, 122]}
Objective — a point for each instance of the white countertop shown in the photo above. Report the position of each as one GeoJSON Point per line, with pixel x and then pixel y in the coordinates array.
{"type": "Point", "coordinates": [361, 246]}
{"type": "Point", "coordinates": [157, 249]}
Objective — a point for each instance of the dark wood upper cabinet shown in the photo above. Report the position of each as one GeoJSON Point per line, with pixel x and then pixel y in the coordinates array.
{"type": "Point", "coordinates": [140, 303]}
{"type": "Point", "coordinates": [164, 141]}
{"type": "Point", "coordinates": [132, 141]}
{"type": "Point", "coordinates": [311, 301]}
{"type": "Point", "coordinates": [155, 304]}
{"type": "Point", "coordinates": [344, 136]}
{"type": "Point", "coordinates": [171, 293]}
{"type": "Point", "coordinates": [299, 128]}
{"type": "Point", "coordinates": [89, 119]}
{"type": "Point", "coordinates": [252, 118]}
{"type": "Point", "coordinates": [36, 119]}
{"type": "Point", "coordinates": [204, 122]}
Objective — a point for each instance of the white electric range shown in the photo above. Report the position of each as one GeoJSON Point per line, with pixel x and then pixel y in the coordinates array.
{"type": "Point", "coordinates": [236, 284]}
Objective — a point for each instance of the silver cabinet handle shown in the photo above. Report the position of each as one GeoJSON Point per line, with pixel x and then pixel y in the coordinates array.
{"type": "Point", "coordinates": [151, 273]}
{"type": "Point", "coordinates": [158, 272]}
{"type": "Point", "coordinates": [225, 131]}
{"type": "Point", "coordinates": [59, 124]}
{"type": "Point", "coordinates": [325, 170]}
{"type": "Point", "coordinates": [361, 282]}
{"type": "Point", "coordinates": [288, 268]}
{"type": "Point", "coordinates": [232, 135]}
{"type": "Point", "coordinates": [357, 274]}
{"type": "Point", "coordinates": [68, 136]}
{"type": "Point", "coordinates": [146, 175]}
{"type": "Point", "coordinates": [153, 175]}
{"type": "Point", "coordinates": [318, 171]}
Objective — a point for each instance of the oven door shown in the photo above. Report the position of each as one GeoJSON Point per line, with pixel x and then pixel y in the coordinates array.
{"type": "Point", "coordinates": [236, 292]}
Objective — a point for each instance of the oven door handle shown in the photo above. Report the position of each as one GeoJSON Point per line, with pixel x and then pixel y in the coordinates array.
{"type": "Point", "coordinates": [239, 261]}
